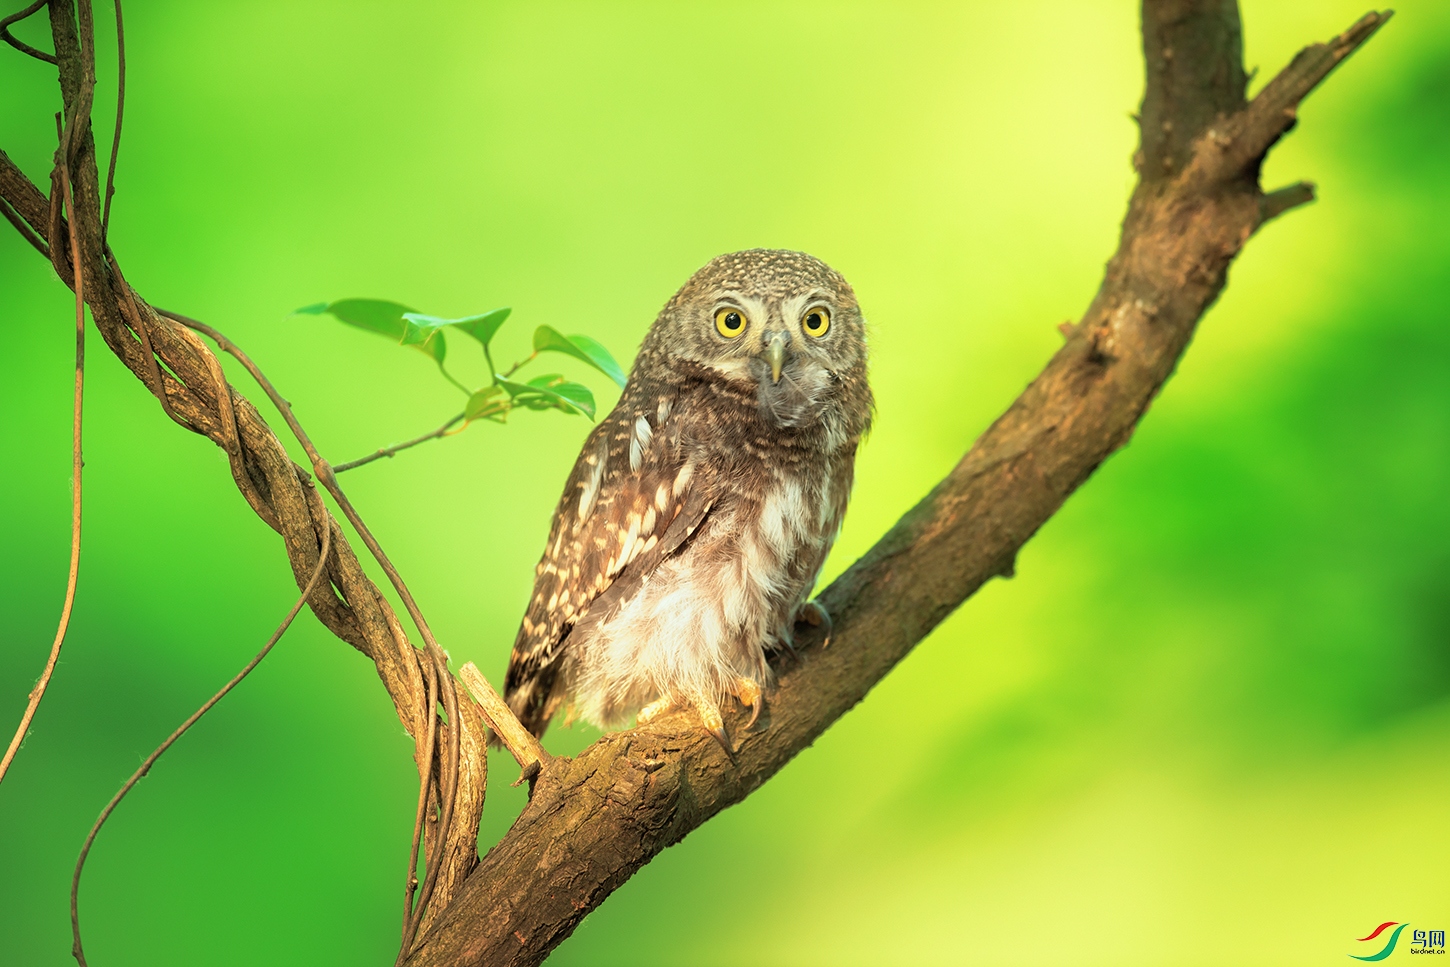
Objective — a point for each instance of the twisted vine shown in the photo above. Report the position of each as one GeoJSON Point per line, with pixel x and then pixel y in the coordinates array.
{"type": "Point", "coordinates": [187, 379]}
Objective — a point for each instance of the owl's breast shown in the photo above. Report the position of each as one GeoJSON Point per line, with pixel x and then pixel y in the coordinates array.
{"type": "Point", "coordinates": [706, 614]}
{"type": "Point", "coordinates": [783, 533]}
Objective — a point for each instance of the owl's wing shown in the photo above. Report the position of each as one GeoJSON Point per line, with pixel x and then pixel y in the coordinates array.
{"type": "Point", "coordinates": [633, 498]}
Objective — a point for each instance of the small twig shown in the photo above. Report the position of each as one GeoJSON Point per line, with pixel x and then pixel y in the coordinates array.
{"type": "Point", "coordinates": [38, 692]}
{"type": "Point", "coordinates": [116, 140]}
{"type": "Point", "coordinates": [20, 45]}
{"type": "Point", "coordinates": [1273, 110]}
{"type": "Point", "coordinates": [1277, 202]}
{"type": "Point", "coordinates": [75, 883]}
{"type": "Point", "coordinates": [397, 447]}
{"type": "Point", "coordinates": [13, 217]}
{"type": "Point", "coordinates": [492, 373]}
{"type": "Point", "coordinates": [520, 742]}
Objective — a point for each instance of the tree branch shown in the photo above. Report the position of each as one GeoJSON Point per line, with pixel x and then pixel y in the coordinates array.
{"type": "Point", "coordinates": [25, 231]}
{"type": "Point", "coordinates": [1193, 53]}
{"type": "Point", "coordinates": [520, 742]}
{"type": "Point", "coordinates": [596, 819]}
{"type": "Point", "coordinates": [397, 447]}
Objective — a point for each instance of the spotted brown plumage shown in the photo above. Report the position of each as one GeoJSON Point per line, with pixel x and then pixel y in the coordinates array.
{"type": "Point", "coordinates": [698, 515]}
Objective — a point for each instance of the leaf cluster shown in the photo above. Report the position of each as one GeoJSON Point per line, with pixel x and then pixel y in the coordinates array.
{"type": "Point", "coordinates": [503, 393]}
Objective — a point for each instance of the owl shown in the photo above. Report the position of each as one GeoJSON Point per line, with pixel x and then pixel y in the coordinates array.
{"type": "Point", "coordinates": [700, 511]}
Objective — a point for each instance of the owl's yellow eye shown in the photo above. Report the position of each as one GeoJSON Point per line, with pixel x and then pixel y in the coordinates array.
{"type": "Point", "coordinates": [817, 321]}
{"type": "Point", "coordinates": [729, 322]}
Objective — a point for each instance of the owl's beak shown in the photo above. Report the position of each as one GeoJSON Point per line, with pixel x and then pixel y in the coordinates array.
{"type": "Point", "coordinates": [775, 355]}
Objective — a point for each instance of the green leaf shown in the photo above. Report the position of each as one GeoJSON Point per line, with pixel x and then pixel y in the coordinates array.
{"type": "Point", "coordinates": [569, 397]}
{"type": "Point", "coordinates": [578, 395]}
{"type": "Point", "coordinates": [384, 318]}
{"type": "Point", "coordinates": [480, 327]}
{"type": "Point", "coordinates": [482, 403]}
{"type": "Point", "coordinates": [601, 358]}
{"type": "Point", "coordinates": [416, 332]}
{"type": "Point", "coordinates": [375, 315]}
{"type": "Point", "coordinates": [549, 339]}
{"type": "Point", "coordinates": [483, 327]}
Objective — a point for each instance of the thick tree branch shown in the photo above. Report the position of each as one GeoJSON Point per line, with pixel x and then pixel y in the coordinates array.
{"type": "Point", "coordinates": [26, 199]}
{"type": "Point", "coordinates": [1193, 52]}
{"type": "Point", "coordinates": [595, 819]}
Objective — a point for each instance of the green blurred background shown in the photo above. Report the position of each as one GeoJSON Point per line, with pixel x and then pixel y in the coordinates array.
{"type": "Point", "coordinates": [1207, 723]}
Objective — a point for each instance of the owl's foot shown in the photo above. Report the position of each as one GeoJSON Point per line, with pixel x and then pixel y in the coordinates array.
{"type": "Point", "coordinates": [749, 693]}
{"type": "Point", "coordinates": [814, 614]}
{"type": "Point", "coordinates": [709, 715]}
{"type": "Point", "coordinates": [715, 725]}
{"type": "Point", "coordinates": [654, 710]}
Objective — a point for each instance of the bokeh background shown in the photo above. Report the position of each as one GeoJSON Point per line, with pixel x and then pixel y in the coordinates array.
{"type": "Point", "coordinates": [1208, 722]}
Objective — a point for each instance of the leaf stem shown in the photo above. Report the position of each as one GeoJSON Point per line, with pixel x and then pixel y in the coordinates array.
{"type": "Point", "coordinates": [488, 358]}
{"type": "Point", "coordinates": [520, 364]}
{"type": "Point", "coordinates": [449, 376]}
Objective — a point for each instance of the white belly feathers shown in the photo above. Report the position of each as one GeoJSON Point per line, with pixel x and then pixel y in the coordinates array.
{"type": "Point", "coordinates": [703, 619]}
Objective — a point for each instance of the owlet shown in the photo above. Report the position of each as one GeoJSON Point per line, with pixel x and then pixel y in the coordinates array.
{"type": "Point", "coordinates": [700, 511]}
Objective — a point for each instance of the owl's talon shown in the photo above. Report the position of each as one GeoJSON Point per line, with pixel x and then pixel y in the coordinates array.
{"type": "Point", "coordinates": [715, 725]}
{"type": "Point", "coordinates": [815, 614]}
{"type": "Point", "coordinates": [724, 739]}
{"type": "Point", "coordinates": [750, 694]}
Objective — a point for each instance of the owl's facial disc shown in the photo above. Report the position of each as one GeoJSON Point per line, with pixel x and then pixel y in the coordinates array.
{"type": "Point", "coordinates": [782, 322]}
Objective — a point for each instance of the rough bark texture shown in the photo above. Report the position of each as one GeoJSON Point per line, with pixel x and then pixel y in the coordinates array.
{"type": "Point", "coordinates": [595, 819]}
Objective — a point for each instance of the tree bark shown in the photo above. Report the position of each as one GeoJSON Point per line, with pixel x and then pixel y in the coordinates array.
{"type": "Point", "coordinates": [594, 820]}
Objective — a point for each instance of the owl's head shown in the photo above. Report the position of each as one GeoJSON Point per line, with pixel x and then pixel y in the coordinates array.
{"type": "Point", "coordinates": [782, 321]}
